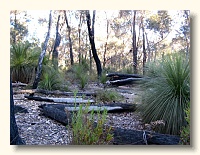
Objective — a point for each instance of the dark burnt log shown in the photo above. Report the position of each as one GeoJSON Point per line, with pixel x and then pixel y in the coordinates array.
{"type": "Point", "coordinates": [119, 76]}
{"type": "Point", "coordinates": [56, 113]}
{"type": "Point", "coordinates": [38, 98]}
{"type": "Point", "coordinates": [126, 107]}
{"type": "Point", "coordinates": [111, 107]}
{"type": "Point", "coordinates": [19, 109]}
{"type": "Point", "coordinates": [137, 137]}
{"type": "Point", "coordinates": [121, 136]}
{"type": "Point", "coordinates": [56, 92]}
{"type": "Point", "coordinates": [60, 100]}
{"type": "Point", "coordinates": [122, 82]}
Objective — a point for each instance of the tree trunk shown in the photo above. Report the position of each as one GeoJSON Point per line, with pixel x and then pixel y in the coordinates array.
{"type": "Point", "coordinates": [134, 46]}
{"type": "Point", "coordinates": [15, 139]}
{"type": "Point", "coordinates": [70, 41]}
{"type": "Point", "coordinates": [56, 45]}
{"type": "Point", "coordinates": [144, 49]}
{"type": "Point", "coordinates": [105, 50]}
{"type": "Point", "coordinates": [148, 47]}
{"type": "Point", "coordinates": [79, 38]}
{"type": "Point", "coordinates": [91, 37]}
{"type": "Point", "coordinates": [39, 68]}
{"type": "Point", "coordinates": [15, 28]}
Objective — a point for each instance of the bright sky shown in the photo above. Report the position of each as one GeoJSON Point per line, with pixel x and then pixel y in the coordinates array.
{"type": "Point", "coordinates": [35, 29]}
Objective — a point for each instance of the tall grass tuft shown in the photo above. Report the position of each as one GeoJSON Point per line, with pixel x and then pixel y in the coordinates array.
{"type": "Point", "coordinates": [52, 79]}
{"type": "Point", "coordinates": [108, 96]}
{"type": "Point", "coordinates": [167, 93]}
{"type": "Point", "coordinates": [23, 61]}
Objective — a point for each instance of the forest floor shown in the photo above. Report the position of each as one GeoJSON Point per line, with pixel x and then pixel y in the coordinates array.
{"type": "Point", "coordinates": [36, 129]}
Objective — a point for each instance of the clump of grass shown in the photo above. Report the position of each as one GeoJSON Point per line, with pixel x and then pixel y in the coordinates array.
{"type": "Point", "coordinates": [80, 72]}
{"type": "Point", "coordinates": [52, 79]}
{"type": "Point", "coordinates": [103, 78]}
{"type": "Point", "coordinates": [108, 96]}
{"type": "Point", "coordinates": [86, 132]}
{"type": "Point", "coordinates": [167, 93]}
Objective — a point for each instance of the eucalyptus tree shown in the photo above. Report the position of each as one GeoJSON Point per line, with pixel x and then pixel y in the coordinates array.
{"type": "Point", "coordinates": [18, 29]}
{"type": "Point", "coordinates": [183, 33]}
{"type": "Point", "coordinates": [43, 52]}
{"type": "Point", "coordinates": [70, 40]}
{"type": "Point", "coordinates": [160, 24]}
{"type": "Point", "coordinates": [56, 45]}
{"type": "Point", "coordinates": [90, 25]}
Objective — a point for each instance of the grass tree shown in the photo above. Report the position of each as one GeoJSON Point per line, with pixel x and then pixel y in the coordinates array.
{"type": "Point", "coordinates": [23, 62]}
{"type": "Point", "coordinates": [167, 93]}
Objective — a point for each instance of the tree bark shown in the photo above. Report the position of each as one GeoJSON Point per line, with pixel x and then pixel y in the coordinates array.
{"type": "Point", "coordinates": [105, 50]}
{"type": "Point", "coordinates": [15, 139]}
{"type": "Point", "coordinates": [39, 68]}
{"type": "Point", "coordinates": [134, 46]}
{"type": "Point", "coordinates": [143, 47]}
{"type": "Point", "coordinates": [56, 45]}
{"type": "Point", "coordinates": [70, 41]}
{"type": "Point", "coordinates": [91, 37]}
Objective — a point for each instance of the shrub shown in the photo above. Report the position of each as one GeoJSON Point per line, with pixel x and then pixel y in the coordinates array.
{"type": "Point", "coordinates": [81, 72]}
{"type": "Point", "coordinates": [185, 131]}
{"type": "Point", "coordinates": [167, 93]}
{"type": "Point", "coordinates": [86, 132]}
{"type": "Point", "coordinates": [23, 62]}
{"type": "Point", "coordinates": [103, 78]}
{"type": "Point", "coordinates": [51, 79]}
{"type": "Point", "coordinates": [108, 95]}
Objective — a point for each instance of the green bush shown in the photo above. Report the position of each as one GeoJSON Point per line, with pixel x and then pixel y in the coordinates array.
{"type": "Point", "coordinates": [103, 78]}
{"type": "Point", "coordinates": [23, 61]}
{"type": "Point", "coordinates": [185, 131]}
{"type": "Point", "coordinates": [86, 132]}
{"type": "Point", "coordinates": [51, 79]}
{"type": "Point", "coordinates": [108, 96]}
{"type": "Point", "coordinates": [167, 93]}
{"type": "Point", "coordinates": [80, 72]}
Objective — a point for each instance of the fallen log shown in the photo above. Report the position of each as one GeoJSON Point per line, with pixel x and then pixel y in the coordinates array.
{"type": "Point", "coordinates": [60, 100]}
{"type": "Point", "coordinates": [138, 137]}
{"type": "Point", "coordinates": [56, 92]}
{"type": "Point", "coordinates": [127, 81]}
{"type": "Point", "coordinates": [19, 84]}
{"type": "Point", "coordinates": [19, 109]}
{"type": "Point", "coordinates": [118, 76]}
{"type": "Point", "coordinates": [56, 114]}
{"type": "Point", "coordinates": [121, 136]}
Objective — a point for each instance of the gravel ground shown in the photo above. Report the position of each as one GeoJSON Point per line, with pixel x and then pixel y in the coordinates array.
{"type": "Point", "coordinates": [36, 129]}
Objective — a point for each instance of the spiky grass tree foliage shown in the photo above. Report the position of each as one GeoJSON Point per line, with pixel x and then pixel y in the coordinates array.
{"type": "Point", "coordinates": [167, 93]}
{"type": "Point", "coordinates": [52, 78]}
{"type": "Point", "coordinates": [23, 62]}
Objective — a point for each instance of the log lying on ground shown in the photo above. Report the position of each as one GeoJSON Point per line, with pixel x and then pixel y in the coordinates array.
{"type": "Point", "coordinates": [121, 136]}
{"type": "Point", "coordinates": [60, 100]}
{"type": "Point", "coordinates": [137, 137]}
{"type": "Point", "coordinates": [56, 92]}
{"type": "Point", "coordinates": [112, 107]}
{"type": "Point", "coordinates": [19, 84]}
{"type": "Point", "coordinates": [117, 76]}
{"type": "Point", "coordinates": [57, 114]}
{"type": "Point", "coordinates": [124, 81]}
{"type": "Point", "coordinates": [19, 109]}
{"type": "Point", "coordinates": [58, 111]}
